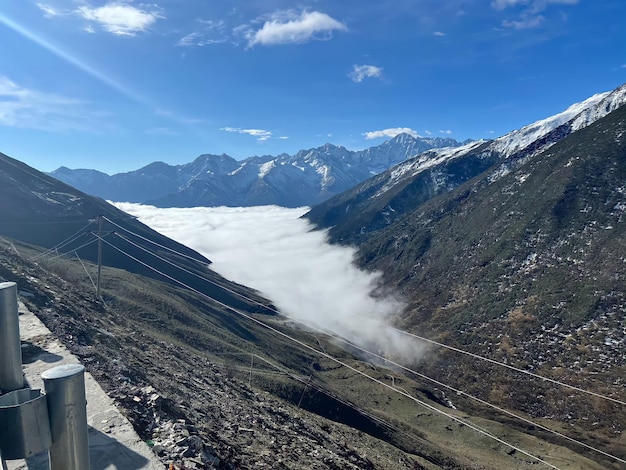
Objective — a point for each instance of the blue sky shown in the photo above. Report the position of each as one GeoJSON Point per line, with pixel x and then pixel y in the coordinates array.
{"type": "Point", "coordinates": [117, 85]}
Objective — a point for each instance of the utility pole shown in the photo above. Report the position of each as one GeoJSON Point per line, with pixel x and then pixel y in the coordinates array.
{"type": "Point", "coordinates": [99, 255]}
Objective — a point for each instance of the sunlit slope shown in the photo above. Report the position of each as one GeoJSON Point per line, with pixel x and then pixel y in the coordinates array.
{"type": "Point", "coordinates": [528, 269]}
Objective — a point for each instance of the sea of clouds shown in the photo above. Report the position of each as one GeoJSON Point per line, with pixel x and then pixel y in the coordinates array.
{"type": "Point", "coordinates": [273, 250]}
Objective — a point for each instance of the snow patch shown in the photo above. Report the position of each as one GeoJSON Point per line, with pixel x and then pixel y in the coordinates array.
{"type": "Point", "coordinates": [425, 161]}
{"type": "Point", "coordinates": [266, 168]}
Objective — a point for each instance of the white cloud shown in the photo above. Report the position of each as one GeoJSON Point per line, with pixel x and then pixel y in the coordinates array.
{"type": "Point", "coordinates": [428, 133]}
{"type": "Point", "coordinates": [502, 4]}
{"type": "Point", "coordinates": [210, 32]}
{"type": "Point", "coordinates": [533, 5]}
{"type": "Point", "coordinates": [287, 27]}
{"type": "Point", "coordinates": [530, 16]}
{"type": "Point", "coordinates": [51, 12]}
{"type": "Point", "coordinates": [525, 22]}
{"type": "Point", "coordinates": [294, 266]}
{"type": "Point", "coordinates": [360, 72]}
{"type": "Point", "coordinates": [439, 34]}
{"type": "Point", "coordinates": [33, 109]}
{"type": "Point", "coordinates": [198, 39]}
{"type": "Point", "coordinates": [447, 132]}
{"type": "Point", "coordinates": [391, 132]}
{"type": "Point", "coordinates": [120, 19]}
{"type": "Point", "coordinates": [260, 134]}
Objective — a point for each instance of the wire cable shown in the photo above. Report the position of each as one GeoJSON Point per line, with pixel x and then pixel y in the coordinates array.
{"type": "Point", "coordinates": [60, 255]}
{"type": "Point", "coordinates": [343, 340]}
{"type": "Point", "coordinates": [476, 356]}
{"type": "Point", "coordinates": [332, 358]}
{"type": "Point", "coordinates": [65, 242]}
{"type": "Point", "coordinates": [502, 364]}
{"type": "Point", "coordinates": [85, 268]}
{"type": "Point", "coordinates": [155, 243]}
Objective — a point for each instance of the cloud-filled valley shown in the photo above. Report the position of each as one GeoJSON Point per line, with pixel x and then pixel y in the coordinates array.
{"type": "Point", "coordinates": [273, 250]}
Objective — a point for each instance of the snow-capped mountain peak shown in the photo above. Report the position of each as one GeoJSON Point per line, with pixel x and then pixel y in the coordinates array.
{"type": "Point", "coordinates": [306, 178]}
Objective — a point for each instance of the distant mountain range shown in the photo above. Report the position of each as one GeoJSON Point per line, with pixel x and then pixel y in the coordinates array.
{"type": "Point", "coordinates": [304, 179]}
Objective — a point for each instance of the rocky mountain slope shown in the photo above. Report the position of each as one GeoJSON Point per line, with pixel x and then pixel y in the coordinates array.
{"type": "Point", "coordinates": [208, 388]}
{"type": "Point", "coordinates": [43, 211]}
{"type": "Point", "coordinates": [217, 385]}
{"type": "Point", "coordinates": [306, 178]}
{"type": "Point", "coordinates": [523, 263]}
{"type": "Point", "coordinates": [383, 199]}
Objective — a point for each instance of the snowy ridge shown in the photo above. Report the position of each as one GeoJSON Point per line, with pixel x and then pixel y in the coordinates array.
{"type": "Point", "coordinates": [609, 103]}
{"type": "Point", "coordinates": [577, 116]}
{"type": "Point", "coordinates": [424, 161]}
{"type": "Point", "coordinates": [518, 140]}
{"type": "Point", "coordinates": [524, 142]}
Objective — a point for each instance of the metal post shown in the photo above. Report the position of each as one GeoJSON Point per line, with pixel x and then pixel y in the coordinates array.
{"type": "Point", "coordinates": [251, 364]}
{"type": "Point", "coordinates": [67, 408]}
{"type": "Point", "coordinates": [99, 255]}
{"type": "Point", "coordinates": [11, 375]}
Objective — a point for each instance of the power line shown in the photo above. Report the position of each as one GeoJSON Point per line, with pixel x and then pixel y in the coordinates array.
{"type": "Point", "coordinates": [65, 242]}
{"type": "Point", "coordinates": [155, 243]}
{"type": "Point", "coordinates": [502, 410]}
{"type": "Point", "coordinates": [60, 255]}
{"type": "Point", "coordinates": [484, 402]}
{"type": "Point", "coordinates": [332, 358]}
{"type": "Point", "coordinates": [493, 361]}
{"type": "Point", "coordinates": [476, 356]}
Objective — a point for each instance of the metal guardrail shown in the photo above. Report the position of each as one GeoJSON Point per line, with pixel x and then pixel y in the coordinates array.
{"type": "Point", "coordinates": [11, 375]}
{"type": "Point", "coordinates": [67, 409]}
{"type": "Point", "coordinates": [32, 422]}
{"type": "Point", "coordinates": [25, 430]}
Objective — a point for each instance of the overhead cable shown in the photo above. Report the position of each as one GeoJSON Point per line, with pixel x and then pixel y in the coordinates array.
{"type": "Point", "coordinates": [155, 243]}
{"type": "Point", "coordinates": [351, 344]}
{"type": "Point", "coordinates": [476, 356]}
{"type": "Point", "coordinates": [332, 358]}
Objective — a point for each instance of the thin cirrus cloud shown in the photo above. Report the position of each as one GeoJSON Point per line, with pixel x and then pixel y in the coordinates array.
{"type": "Point", "coordinates": [294, 267]}
{"type": "Point", "coordinates": [530, 16]}
{"type": "Point", "coordinates": [28, 108]}
{"type": "Point", "coordinates": [391, 132]}
{"type": "Point", "coordinates": [198, 39]}
{"type": "Point", "coordinates": [526, 22]}
{"type": "Point", "coordinates": [288, 27]}
{"type": "Point", "coordinates": [361, 72]}
{"type": "Point", "coordinates": [120, 19]}
{"type": "Point", "coordinates": [50, 12]}
{"type": "Point", "coordinates": [534, 6]}
{"type": "Point", "coordinates": [208, 32]}
{"type": "Point", "coordinates": [260, 134]}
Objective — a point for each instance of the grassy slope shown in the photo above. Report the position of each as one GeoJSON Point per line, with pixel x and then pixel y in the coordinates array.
{"type": "Point", "coordinates": [529, 270]}
{"type": "Point", "coordinates": [197, 356]}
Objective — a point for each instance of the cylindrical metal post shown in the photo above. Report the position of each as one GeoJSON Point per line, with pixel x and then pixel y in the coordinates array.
{"type": "Point", "coordinates": [67, 408]}
{"type": "Point", "coordinates": [11, 375]}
